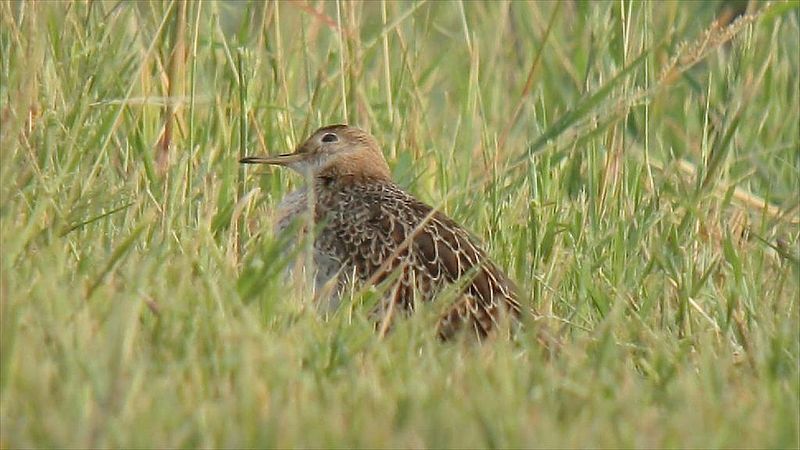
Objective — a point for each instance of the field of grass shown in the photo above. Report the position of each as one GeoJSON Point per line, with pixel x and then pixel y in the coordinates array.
{"type": "Point", "coordinates": [634, 166]}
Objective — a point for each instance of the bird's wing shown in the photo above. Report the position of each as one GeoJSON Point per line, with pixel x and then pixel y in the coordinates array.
{"type": "Point", "coordinates": [437, 250]}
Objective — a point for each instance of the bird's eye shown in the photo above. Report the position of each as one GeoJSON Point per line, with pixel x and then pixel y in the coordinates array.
{"type": "Point", "coordinates": [330, 137]}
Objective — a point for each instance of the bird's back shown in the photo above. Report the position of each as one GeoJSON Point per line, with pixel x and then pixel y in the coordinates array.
{"type": "Point", "coordinates": [381, 233]}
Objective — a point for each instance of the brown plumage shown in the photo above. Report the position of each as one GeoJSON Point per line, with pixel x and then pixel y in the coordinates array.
{"type": "Point", "coordinates": [375, 233]}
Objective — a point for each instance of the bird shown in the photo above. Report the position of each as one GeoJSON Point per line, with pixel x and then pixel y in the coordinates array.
{"type": "Point", "coordinates": [371, 232]}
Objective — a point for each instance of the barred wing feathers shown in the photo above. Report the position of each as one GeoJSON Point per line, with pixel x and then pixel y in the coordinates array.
{"type": "Point", "coordinates": [381, 232]}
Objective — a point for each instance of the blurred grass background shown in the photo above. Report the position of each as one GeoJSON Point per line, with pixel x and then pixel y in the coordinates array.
{"type": "Point", "coordinates": [635, 167]}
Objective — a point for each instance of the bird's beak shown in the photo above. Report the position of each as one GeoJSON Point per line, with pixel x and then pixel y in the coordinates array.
{"type": "Point", "coordinates": [278, 160]}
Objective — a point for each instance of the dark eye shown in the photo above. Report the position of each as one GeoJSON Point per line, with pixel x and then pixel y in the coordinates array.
{"type": "Point", "coordinates": [330, 137]}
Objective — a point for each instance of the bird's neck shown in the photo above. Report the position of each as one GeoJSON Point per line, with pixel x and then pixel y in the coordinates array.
{"type": "Point", "coordinates": [356, 169]}
{"type": "Point", "coordinates": [337, 181]}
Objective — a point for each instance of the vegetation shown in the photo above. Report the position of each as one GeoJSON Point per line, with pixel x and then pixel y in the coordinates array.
{"type": "Point", "coordinates": [635, 167]}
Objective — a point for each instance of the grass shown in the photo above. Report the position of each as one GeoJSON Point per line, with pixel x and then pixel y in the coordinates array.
{"type": "Point", "coordinates": [635, 167]}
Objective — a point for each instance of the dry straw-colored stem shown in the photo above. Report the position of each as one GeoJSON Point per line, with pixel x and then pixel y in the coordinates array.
{"type": "Point", "coordinates": [175, 80]}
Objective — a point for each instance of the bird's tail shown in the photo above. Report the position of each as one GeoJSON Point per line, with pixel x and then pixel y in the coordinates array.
{"type": "Point", "coordinates": [482, 317]}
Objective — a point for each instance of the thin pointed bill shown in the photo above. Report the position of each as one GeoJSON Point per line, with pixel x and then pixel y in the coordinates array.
{"type": "Point", "coordinates": [278, 160]}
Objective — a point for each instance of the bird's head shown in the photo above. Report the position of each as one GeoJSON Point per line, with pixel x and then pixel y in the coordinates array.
{"type": "Point", "coordinates": [333, 151]}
